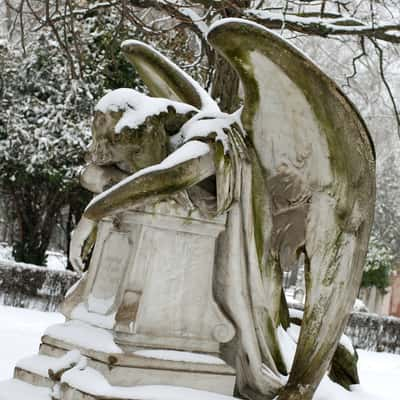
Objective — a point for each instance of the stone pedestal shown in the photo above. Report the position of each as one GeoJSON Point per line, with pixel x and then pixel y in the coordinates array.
{"type": "Point", "coordinates": [150, 280]}
{"type": "Point", "coordinates": [144, 314]}
{"type": "Point", "coordinates": [135, 368]}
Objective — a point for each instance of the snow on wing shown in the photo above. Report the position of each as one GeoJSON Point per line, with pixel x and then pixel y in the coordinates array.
{"type": "Point", "coordinates": [164, 78]}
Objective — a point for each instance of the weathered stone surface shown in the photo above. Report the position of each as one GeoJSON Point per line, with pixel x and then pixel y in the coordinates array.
{"type": "Point", "coordinates": [321, 195]}
{"type": "Point", "coordinates": [32, 377]}
{"type": "Point", "coordinates": [153, 273]}
{"type": "Point", "coordinates": [125, 370]}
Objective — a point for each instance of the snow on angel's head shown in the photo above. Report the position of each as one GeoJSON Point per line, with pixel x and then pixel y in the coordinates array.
{"type": "Point", "coordinates": [131, 130]}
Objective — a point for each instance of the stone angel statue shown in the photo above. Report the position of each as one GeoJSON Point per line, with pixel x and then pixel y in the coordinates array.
{"type": "Point", "coordinates": [292, 170]}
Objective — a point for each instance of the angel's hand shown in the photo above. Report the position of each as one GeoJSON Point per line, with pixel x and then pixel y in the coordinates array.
{"type": "Point", "coordinates": [97, 178]}
{"type": "Point", "coordinates": [78, 237]}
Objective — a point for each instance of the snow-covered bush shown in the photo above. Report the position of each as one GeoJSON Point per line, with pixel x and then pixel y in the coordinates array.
{"type": "Point", "coordinates": [378, 265]}
{"type": "Point", "coordinates": [44, 131]}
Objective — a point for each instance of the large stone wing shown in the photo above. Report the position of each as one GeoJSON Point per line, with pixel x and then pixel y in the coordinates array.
{"type": "Point", "coordinates": [317, 165]}
{"type": "Point", "coordinates": [164, 78]}
{"type": "Point", "coordinates": [307, 135]}
{"type": "Point", "coordinates": [293, 113]}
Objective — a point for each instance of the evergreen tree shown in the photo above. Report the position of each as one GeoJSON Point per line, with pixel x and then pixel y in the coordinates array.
{"type": "Point", "coordinates": [44, 131]}
{"type": "Point", "coordinates": [45, 115]}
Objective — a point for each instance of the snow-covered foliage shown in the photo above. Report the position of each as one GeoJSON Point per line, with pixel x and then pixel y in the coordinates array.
{"type": "Point", "coordinates": [44, 131]}
{"type": "Point", "coordinates": [47, 100]}
{"type": "Point", "coordinates": [373, 332]}
{"type": "Point", "coordinates": [101, 60]}
{"type": "Point", "coordinates": [378, 265]}
{"type": "Point", "coordinates": [48, 89]}
{"type": "Point", "coordinates": [48, 103]}
{"type": "Point", "coordinates": [44, 116]}
{"type": "Point", "coordinates": [31, 286]}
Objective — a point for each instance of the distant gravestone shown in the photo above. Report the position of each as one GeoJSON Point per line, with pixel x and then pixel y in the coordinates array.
{"type": "Point", "coordinates": [196, 215]}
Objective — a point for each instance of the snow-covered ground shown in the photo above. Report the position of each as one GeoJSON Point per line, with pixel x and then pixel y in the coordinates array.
{"type": "Point", "coordinates": [21, 329]}
{"type": "Point", "coordinates": [20, 333]}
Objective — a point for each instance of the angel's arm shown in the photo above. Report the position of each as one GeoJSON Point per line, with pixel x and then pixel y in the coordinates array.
{"type": "Point", "coordinates": [96, 178]}
{"type": "Point", "coordinates": [187, 166]}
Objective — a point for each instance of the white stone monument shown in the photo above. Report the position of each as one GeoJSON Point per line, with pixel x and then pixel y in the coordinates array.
{"type": "Point", "coordinates": [149, 290]}
{"type": "Point", "coordinates": [196, 215]}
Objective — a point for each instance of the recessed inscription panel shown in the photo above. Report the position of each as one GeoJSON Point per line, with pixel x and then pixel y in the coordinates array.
{"type": "Point", "coordinates": [177, 294]}
{"type": "Point", "coordinates": [113, 260]}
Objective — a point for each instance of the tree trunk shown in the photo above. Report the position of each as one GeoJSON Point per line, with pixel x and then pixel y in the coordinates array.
{"type": "Point", "coordinates": [36, 218]}
{"type": "Point", "coordinates": [68, 230]}
{"type": "Point", "coordinates": [225, 86]}
{"type": "Point", "coordinates": [31, 248]}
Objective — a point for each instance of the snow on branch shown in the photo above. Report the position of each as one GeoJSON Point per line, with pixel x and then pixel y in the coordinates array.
{"type": "Point", "coordinates": [324, 26]}
{"type": "Point", "coordinates": [195, 19]}
{"type": "Point", "coordinates": [313, 18]}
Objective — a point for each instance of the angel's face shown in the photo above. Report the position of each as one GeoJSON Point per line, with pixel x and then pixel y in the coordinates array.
{"type": "Point", "coordinates": [130, 150]}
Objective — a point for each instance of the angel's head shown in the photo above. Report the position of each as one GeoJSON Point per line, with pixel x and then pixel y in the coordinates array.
{"type": "Point", "coordinates": [131, 130]}
{"type": "Point", "coordinates": [131, 149]}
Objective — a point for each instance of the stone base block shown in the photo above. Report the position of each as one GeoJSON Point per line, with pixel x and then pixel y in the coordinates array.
{"type": "Point", "coordinates": [138, 367]}
{"type": "Point", "coordinates": [88, 384]}
{"type": "Point", "coordinates": [73, 365]}
{"type": "Point", "coordinates": [67, 375]}
{"type": "Point", "coordinates": [127, 370]}
{"type": "Point", "coordinates": [99, 390]}
{"type": "Point", "coordinates": [32, 378]}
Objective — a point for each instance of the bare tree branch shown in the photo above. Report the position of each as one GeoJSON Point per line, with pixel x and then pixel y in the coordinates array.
{"type": "Point", "coordinates": [386, 83]}
{"type": "Point", "coordinates": [320, 23]}
{"type": "Point", "coordinates": [355, 59]}
{"type": "Point", "coordinates": [312, 25]}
